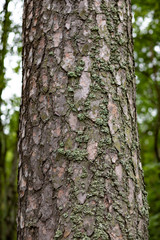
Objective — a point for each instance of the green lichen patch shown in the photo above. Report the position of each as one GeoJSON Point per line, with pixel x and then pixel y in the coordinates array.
{"type": "Point", "coordinates": [58, 234]}
{"type": "Point", "coordinates": [74, 155]}
{"type": "Point", "coordinates": [79, 70]}
{"type": "Point", "coordinates": [84, 173]}
{"type": "Point", "coordinates": [82, 139]}
{"type": "Point", "coordinates": [72, 74]}
{"type": "Point", "coordinates": [81, 116]}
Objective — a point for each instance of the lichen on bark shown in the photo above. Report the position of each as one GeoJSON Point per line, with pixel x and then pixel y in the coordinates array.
{"type": "Point", "coordinates": [80, 145]}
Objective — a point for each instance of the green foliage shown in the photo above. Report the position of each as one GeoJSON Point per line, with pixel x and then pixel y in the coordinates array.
{"type": "Point", "coordinates": [147, 57]}
{"type": "Point", "coordinates": [9, 114]}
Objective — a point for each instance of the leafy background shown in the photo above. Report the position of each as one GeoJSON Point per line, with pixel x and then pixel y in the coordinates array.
{"type": "Point", "coordinates": [146, 33]}
{"type": "Point", "coordinates": [147, 63]}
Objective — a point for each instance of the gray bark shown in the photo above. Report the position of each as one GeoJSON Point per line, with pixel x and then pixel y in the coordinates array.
{"type": "Point", "coordinates": [80, 175]}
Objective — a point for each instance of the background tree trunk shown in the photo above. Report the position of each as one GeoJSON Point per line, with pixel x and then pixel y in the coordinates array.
{"type": "Point", "coordinates": [80, 175]}
{"type": "Point", "coordinates": [5, 29]}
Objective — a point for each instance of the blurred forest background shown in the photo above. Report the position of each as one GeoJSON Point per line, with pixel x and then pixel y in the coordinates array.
{"type": "Point", "coordinates": [146, 33]}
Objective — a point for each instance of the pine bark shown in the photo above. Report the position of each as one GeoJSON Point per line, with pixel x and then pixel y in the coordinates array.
{"type": "Point", "coordinates": [80, 175]}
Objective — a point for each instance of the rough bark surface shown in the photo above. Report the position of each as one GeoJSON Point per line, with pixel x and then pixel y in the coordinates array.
{"type": "Point", "coordinates": [80, 175]}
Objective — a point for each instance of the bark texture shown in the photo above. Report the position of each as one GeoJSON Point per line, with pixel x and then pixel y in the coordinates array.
{"type": "Point", "coordinates": [80, 175]}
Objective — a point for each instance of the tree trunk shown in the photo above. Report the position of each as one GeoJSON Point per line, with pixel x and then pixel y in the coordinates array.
{"type": "Point", "coordinates": [80, 175]}
{"type": "Point", "coordinates": [5, 28]}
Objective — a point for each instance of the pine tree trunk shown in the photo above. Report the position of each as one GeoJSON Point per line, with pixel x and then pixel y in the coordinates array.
{"type": "Point", "coordinates": [80, 175]}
